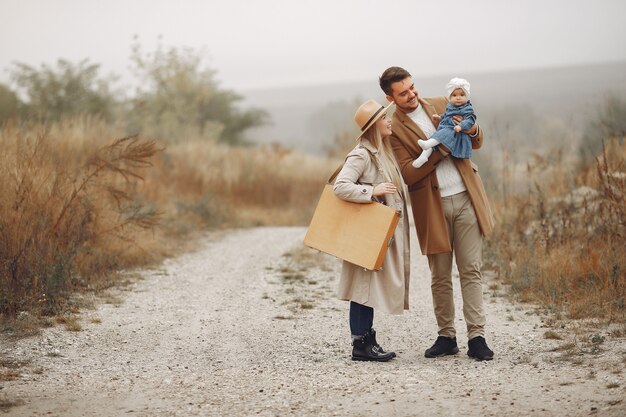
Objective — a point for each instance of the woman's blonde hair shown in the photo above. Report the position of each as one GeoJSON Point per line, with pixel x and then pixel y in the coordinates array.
{"type": "Point", "coordinates": [389, 166]}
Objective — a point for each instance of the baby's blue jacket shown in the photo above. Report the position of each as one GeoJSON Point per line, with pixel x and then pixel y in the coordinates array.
{"type": "Point", "coordinates": [459, 144]}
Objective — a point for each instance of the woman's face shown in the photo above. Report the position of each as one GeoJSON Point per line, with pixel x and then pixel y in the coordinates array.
{"type": "Point", "coordinates": [384, 125]}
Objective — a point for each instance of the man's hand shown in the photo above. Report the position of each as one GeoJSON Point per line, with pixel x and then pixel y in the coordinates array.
{"type": "Point", "coordinates": [458, 119]}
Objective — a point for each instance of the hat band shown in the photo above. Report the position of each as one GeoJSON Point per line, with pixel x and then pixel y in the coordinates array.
{"type": "Point", "coordinates": [371, 118]}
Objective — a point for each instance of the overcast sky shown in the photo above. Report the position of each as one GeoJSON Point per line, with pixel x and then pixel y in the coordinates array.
{"type": "Point", "coordinates": [267, 43]}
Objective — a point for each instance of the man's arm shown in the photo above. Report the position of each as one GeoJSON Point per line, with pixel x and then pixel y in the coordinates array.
{"type": "Point", "coordinates": [476, 134]}
{"type": "Point", "coordinates": [411, 174]}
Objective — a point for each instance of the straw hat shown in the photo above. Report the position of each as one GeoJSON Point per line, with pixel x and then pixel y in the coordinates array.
{"type": "Point", "coordinates": [367, 114]}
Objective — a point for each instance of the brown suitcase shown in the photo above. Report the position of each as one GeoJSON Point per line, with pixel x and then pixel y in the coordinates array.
{"type": "Point", "coordinates": [359, 233]}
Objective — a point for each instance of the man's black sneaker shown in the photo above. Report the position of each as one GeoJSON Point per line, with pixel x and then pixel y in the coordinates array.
{"type": "Point", "coordinates": [479, 350]}
{"type": "Point", "coordinates": [443, 346]}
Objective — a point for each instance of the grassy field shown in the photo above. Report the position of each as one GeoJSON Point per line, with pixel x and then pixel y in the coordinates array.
{"type": "Point", "coordinates": [80, 203]}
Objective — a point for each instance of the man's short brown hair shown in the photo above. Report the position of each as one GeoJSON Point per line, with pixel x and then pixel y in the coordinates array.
{"type": "Point", "coordinates": [390, 76]}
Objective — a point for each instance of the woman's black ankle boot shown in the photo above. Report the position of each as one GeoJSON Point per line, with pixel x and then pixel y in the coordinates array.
{"type": "Point", "coordinates": [363, 349]}
{"type": "Point", "coordinates": [376, 345]}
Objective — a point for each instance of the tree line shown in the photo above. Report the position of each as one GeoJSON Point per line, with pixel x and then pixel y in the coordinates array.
{"type": "Point", "coordinates": [177, 96]}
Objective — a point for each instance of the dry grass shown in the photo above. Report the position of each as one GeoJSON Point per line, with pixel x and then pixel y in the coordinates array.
{"type": "Point", "coordinates": [551, 334]}
{"type": "Point", "coordinates": [302, 290]}
{"type": "Point", "coordinates": [219, 185]}
{"type": "Point", "coordinates": [562, 243]}
{"type": "Point", "coordinates": [77, 205]}
{"type": "Point", "coordinates": [9, 369]}
{"type": "Point", "coordinates": [71, 322]}
{"type": "Point", "coordinates": [9, 375]}
{"type": "Point", "coordinates": [6, 404]}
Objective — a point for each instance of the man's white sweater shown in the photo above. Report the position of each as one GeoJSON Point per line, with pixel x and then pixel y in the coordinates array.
{"type": "Point", "coordinates": [450, 181]}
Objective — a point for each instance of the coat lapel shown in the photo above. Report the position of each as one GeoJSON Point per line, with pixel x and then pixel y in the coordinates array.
{"type": "Point", "coordinates": [430, 111]}
{"type": "Point", "coordinates": [410, 124]}
{"type": "Point", "coordinates": [410, 142]}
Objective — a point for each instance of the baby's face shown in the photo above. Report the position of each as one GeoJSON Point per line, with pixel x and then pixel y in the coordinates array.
{"type": "Point", "coordinates": [458, 97]}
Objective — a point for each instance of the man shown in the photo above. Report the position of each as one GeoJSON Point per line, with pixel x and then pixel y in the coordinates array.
{"type": "Point", "coordinates": [450, 209]}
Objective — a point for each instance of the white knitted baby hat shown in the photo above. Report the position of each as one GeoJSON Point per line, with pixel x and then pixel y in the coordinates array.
{"type": "Point", "coordinates": [458, 83]}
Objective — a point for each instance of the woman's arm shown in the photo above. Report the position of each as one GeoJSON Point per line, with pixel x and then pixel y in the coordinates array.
{"type": "Point", "coordinates": [346, 186]}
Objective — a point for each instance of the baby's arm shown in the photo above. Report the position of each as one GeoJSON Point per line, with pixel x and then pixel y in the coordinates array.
{"type": "Point", "coordinates": [469, 120]}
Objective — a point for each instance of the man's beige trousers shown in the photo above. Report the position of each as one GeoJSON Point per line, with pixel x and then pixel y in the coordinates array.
{"type": "Point", "coordinates": [467, 244]}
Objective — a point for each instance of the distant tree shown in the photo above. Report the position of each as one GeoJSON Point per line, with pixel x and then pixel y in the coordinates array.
{"type": "Point", "coordinates": [610, 123]}
{"type": "Point", "coordinates": [180, 96]}
{"type": "Point", "coordinates": [332, 124]}
{"type": "Point", "coordinates": [9, 103]}
{"type": "Point", "coordinates": [68, 90]}
{"type": "Point", "coordinates": [334, 118]}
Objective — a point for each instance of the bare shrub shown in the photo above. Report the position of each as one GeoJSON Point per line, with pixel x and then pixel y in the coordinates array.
{"type": "Point", "coordinates": [562, 243]}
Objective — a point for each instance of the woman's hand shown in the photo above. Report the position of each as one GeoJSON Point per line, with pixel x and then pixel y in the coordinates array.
{"type": "Point", "coordinates": [384, 188]}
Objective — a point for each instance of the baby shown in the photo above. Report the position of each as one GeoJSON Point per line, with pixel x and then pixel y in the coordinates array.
{"type": "Point", "coordinates": [448, 133]}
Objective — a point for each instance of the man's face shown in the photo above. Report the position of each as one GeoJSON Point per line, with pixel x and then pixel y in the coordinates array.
{"type": "Point", "coordinates": [458, 97]}
{"type": "Point", "coordinates": [404, 94]}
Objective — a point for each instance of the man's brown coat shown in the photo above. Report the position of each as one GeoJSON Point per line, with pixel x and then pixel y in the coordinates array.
{"type": "Point", "coordinates": [432, 230]}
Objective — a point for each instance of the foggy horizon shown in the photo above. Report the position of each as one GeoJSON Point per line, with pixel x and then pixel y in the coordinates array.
{"type": "Point", "coordinates": [277, 43]}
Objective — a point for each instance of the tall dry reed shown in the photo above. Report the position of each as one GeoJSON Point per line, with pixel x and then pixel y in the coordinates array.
{"type": "Point", "coordinates": [217, 185]}
{"type": "Point", "coordinates": [63, 213]}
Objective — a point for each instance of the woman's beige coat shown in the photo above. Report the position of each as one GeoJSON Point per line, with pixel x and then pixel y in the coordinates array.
{"type": "Point", "coordinates": [388, 288]}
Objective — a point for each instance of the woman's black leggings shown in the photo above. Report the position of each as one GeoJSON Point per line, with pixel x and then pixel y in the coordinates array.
{"type": "Point", "coordinates": [361, 319]}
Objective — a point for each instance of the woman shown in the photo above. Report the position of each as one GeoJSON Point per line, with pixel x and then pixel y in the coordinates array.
{"type": "Point", "coordinates": [371, 173]}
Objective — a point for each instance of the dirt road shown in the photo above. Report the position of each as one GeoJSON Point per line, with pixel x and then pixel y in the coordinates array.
{"type": "Point", "coordinates": [248, 325]}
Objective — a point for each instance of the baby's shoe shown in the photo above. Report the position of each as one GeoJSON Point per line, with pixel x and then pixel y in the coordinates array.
{"type": "Point", "coordinates": [421, 160]}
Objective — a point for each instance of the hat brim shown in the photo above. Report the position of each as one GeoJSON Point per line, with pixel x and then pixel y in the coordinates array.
{"type": "Point", "coordinates": [378, 115]}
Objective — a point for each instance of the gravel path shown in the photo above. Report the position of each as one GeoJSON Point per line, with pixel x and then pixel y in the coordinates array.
{"type": "Point", "coordinates": [248, 325]}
